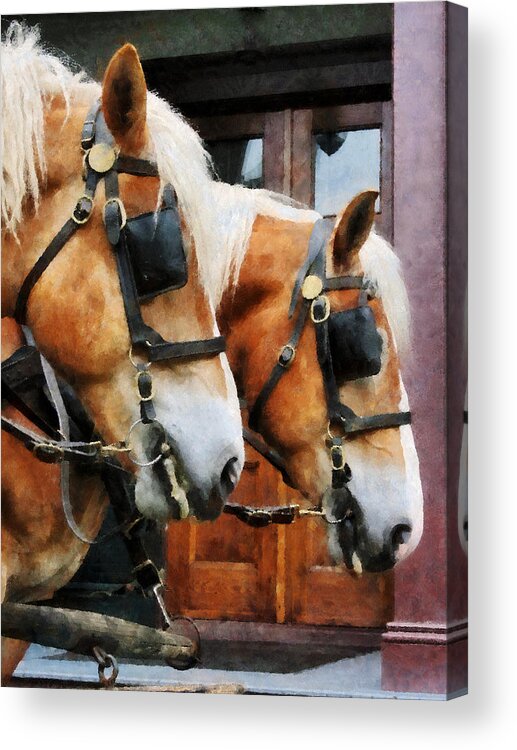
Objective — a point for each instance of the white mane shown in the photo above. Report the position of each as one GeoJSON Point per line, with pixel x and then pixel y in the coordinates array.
{"type": "Point", "coordinates": [382, 266]}
{"type": "Point", "coordinates": [220, 216]}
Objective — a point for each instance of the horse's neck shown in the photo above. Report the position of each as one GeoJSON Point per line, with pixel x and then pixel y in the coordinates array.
{"type": "Point", "coordinates": [59, 191]}
{"type": "Point", "coordinates": [276, 250]}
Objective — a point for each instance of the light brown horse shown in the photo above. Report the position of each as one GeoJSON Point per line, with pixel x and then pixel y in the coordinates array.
{"type": "Point", "coordinates": [76, 312]}
{"type": "Point", "coordinates": [385, 483]}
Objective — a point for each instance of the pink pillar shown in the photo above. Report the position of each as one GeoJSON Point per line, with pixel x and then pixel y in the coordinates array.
{"type": "Point", "coordinates": [425, 647]}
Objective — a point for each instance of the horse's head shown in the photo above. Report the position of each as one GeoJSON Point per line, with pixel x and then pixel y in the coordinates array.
{"type": "Point", "coordinates": [76, 310]}
{"type": "Point", "coordinates": [376, 496]}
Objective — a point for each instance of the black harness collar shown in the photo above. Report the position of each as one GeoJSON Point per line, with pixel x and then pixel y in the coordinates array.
{"type": "Point", "coordinates": [312, 283]}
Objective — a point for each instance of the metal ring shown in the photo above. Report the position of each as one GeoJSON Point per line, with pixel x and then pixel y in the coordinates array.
{"type": "Point", "coordinates": [347, 514]}
{"type": "Point", "coordinates": [329, 433]}
{"type": "Point", "coordinates": [111, 662]}
{"type": "Point", "coordinates": [146, 365]}
{"type": "Point", "coordinates": [154, 460]}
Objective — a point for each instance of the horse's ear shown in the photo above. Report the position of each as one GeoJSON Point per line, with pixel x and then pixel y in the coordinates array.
{"type": "Point", "coordinates": [124, 99]}
{"type": "Point", "coordinates": [353, 226]}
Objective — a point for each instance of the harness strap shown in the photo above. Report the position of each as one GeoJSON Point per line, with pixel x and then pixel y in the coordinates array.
{"type": "Point", "coordinates": [318, 240]}
{"type": "Point", "coordinates": [186, 349]}
{"type": "Point", "coordinates": [80, 215]}
{"type": "Point", "coordinates": [285, 359]}
{"type": "Point", "coordinates": [343, 282]}
{"type": "Point", "coordinates": [19, 371]}
{"type": "Point", "coordinates": [352, 423]}
{"type": "Point", "coordinates": [52, 451]}
{"type": "Point", "coordinates": [136, 167]}
{"type": "Point", "coordinates": [271, 455]}
{"type": "Point", "coordinates": [258, 517]}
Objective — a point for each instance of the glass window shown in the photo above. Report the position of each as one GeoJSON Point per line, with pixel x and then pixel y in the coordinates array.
{"type": "Point", "coordinates": [346, 162]}
{"type": "Point", "coordinates": [238, 161]}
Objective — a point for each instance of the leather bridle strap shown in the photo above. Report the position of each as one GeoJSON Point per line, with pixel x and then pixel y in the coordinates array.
{"type": "Point", "coordinates": [271, 455]}
{"type": "Point", "coordinates": [318, 240]}
{"type": "Point", "coordinates": [79, 216]}
{"type": "Point", "coordinates": [285, 360]}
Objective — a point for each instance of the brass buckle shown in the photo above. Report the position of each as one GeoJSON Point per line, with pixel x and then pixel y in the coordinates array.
{"type": "Point", "coordinates": [291, 354]}
{"type": "Point", "coordinates": [326, 311]}
{"type": "Point", "coordinates": [337, 451]}
{"type": "Point", "coordinates": [123, 215]}
{"type": "Point", "coordinates": [78, 208]}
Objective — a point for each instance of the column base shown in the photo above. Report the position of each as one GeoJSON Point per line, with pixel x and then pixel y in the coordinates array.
{"type": "Point", "coordinates": [425, 658]}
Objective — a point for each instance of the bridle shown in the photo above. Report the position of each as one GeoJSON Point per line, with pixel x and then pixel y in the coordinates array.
{"type": "Point", "coordinates": [103, 162]}
{"type": "Point", "coordinates": [309, 295]}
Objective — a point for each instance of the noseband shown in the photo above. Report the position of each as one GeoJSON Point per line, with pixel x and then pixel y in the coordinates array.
{"type": "Point", "coordinates": [309, 295]}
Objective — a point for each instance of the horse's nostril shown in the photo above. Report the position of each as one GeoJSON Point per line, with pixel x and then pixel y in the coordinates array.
{"type": "Point", "coordinates": [229, 476]}
{"type": "Point", "coordinates": [400, 535]}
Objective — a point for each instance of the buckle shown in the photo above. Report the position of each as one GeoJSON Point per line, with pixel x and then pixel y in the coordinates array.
{"type": "Point", "coordinates": [337, 457]}
{"type": "Point", "coordinates": [145, 387]}
{"type": "Point", "coordinates": [82, 213]}
{"type": "Point", "coordinates": [49, 453]}
{"type": "Point", "coordinates": [286, 356]}
{"type": "Point", "coordinates": [122, 211]}
{"type": "Point", "coordinates": [326, 309]}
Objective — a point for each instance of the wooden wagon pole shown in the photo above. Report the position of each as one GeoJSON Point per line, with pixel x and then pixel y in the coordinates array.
{"type": "Point", "coordinates": [79, 632]}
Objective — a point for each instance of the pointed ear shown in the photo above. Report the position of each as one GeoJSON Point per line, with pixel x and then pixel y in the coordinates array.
{"type": "Point", "coordinates": [353, 226]}
{"type": "Point", "coordinates": [124, 99]}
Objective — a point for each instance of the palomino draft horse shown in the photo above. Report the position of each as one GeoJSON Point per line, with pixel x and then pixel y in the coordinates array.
{"type": "Point", "coordinates": [65, 274]}
{"type": "Point", "coordinates": [316, 354]}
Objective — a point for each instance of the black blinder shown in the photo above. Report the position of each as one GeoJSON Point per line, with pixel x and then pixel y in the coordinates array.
{"type": "Point", "coordinates": [156, 251]}
{"type": "Point", "coordinates": [355, 344]}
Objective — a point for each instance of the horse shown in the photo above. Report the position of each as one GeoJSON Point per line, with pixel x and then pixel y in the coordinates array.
{"type": "Point", "coordinates": [376, 518]}
{"type": "Point", "coordinates": [77, 312]}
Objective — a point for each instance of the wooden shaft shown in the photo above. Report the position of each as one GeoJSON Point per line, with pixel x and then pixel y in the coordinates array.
{"type": "Point", "coordinates": [79, 632]}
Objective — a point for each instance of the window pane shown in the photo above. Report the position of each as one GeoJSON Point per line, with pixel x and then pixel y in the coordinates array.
{"type": "Point", "coordinates": [238, 161]}
{"type": "Point", "coordinates": [346, 162]}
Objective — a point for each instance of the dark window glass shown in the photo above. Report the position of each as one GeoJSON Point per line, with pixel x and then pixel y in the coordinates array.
{"type": "Point", "coordinates": [345, 163]}
{"type": "Point", "coordinates": [238, 161]}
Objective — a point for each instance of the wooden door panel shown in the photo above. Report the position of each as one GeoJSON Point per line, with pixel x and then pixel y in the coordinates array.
{"type": "Point", "coordinates": [226, 569]}
{"type": "Point", "coordinates": [323, 594]}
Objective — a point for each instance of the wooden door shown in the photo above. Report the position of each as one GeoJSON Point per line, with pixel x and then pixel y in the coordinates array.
{"type": "Point", "coordinates": [225, 569]}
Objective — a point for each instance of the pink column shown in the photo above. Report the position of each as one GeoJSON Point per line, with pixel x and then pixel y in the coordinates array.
{"type": "Point", "coordinates": [425, 647]}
